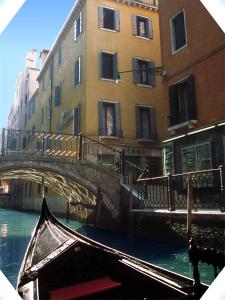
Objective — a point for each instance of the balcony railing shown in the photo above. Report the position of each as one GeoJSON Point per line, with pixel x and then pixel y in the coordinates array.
{"type": "Point", "coordinates": [28, 143]}
{"type": "Point", "coordinates": [170, 192]}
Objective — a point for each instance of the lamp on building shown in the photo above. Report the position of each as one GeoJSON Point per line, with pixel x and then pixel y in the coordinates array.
{"type": "Point", "coordinates": [154, 70]}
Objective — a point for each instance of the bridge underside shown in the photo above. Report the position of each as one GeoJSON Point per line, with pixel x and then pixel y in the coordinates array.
{"type": "Point", "coordinates": [69, 190]}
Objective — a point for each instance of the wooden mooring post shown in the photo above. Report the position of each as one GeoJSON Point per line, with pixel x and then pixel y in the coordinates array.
{"type": "Point", "coordinates": [189, 204]}
{"type": "Point", "coordinates": [130, 214]}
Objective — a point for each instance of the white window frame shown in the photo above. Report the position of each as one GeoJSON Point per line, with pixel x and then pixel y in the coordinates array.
{"type": "Point", "coordinates": [172, 35]}
{"type": "Point", "coordinates": [79, 72]}
{"type": "Point", "coordinates": [75, 26]}
{"type": "Point", "coordinates": [107, 29]}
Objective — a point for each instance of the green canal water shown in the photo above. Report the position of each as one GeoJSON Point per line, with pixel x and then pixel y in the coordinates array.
{"type": "Point", "coordinates": [16, 228]}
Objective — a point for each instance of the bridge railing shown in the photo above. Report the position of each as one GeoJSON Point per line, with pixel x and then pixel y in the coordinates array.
{"type": "Point", "coordinates": [60, 146]}
{"type": "Point", "coordinates": [170, 192]}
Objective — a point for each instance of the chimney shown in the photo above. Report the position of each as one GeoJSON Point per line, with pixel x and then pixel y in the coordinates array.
{"type": "Point", "coordinates": [43, 55]}
{"type": "Point", "coordinates": [31, 59]}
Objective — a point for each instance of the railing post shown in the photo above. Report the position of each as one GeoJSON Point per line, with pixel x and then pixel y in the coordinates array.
{"type": "Point", "coordinates": [170, 194]}
{"type": "Point", "coordinates": [3, 142]}
{"type": "Point", "coordinates": [80, 146]}
{"type": "Point", "coordinates": [122, 163]}
{"type": "Point", "coordinates": [189, 204]}
{"type": "Point", "coordinates": [222, 195]}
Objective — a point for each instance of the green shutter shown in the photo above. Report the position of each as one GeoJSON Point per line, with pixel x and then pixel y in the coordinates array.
{"type": "Point", "coordinates": [100, 65]}
{"type": "Point", "coordinates": [100, 17]}
{"type": "Point", "coordinates": [135, 72]}
{"type": "Point", "coordinates": [118, 120]}
{"type": "Point", "coordinates": [151, 73]}
{"type": "Point", "coordinates": [134, 24]}
{"type": "Point", "coordinates": [101, 118]}
{"type": "Point", "coordinates": [76, 120]}
{"type": "Point", "coordinates": [117, 20]}
{"type": "Point", "coordinates": [149, 29]}
{"type": "Point", "coordinates": [191, 99]}
{"type": "Point", "coordinates": [174, 116]}
{"type": "Point", "coordinates": [138, 122]}
{"type": "Point", "coordinates": [115, 68]}
{"type": "Point", "coordinates": [152, 123]}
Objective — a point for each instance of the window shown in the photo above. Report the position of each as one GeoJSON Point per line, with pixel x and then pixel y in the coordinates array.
{"type": "Point", "coordinates": [29, 111]}
{"type": "Point", "coordinates": [142, 26]}
{"type": "Point", "coordinates": [109, 18]}
{"type": "Point", "coordinates": [57, 95]}
{"type": "Point", "coordinates": [108, 65]}
{"type": "Point", "coordinates": [109, 119]}
{"type": "Point", "coordinates": [33, 106]}
{"type": "Point", "coordinates": [59, 56]}
{"type": "Point", "coordinates": [168, 159]}
{"type": "Point", "coordinates": [78, 27]}
{"type": "Point", "coordinates": [182, 102]}
{"type": "Point", "coordinates": [76, 120]}
{"type": "Point", "coordinates": [144, 72]}
{"type": "Point", "coordinates": [197, 157]}
{"type": "Point", "coordinates": [78, 72]}
{"type": "Point", "coordinates": [178, 31]}
{"type": "Point", "coordinates": [42, 116]}
{"type": "Point", "coordinates": [43, 83]}
{"type": "Point", "coordinates": [49, 108]}
{"type": "Point", "coordinates": [145, 123]}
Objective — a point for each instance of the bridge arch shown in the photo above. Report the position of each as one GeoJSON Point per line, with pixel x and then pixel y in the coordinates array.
{"type": "Point", "coordinates": [73, 180]}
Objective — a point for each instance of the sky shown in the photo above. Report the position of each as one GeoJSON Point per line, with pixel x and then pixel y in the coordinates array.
{"type": "Point", "coordinates": [36, 26]}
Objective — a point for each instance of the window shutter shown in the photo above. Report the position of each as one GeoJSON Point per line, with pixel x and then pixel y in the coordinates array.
{"type": "Point", "coordinates": [138, 123]}
{"type": "Point", "coordinates": [75, 30]}
{"type": "Point", "coordinates": [135, 73]}
{"type": "Point", "coordinates": [151, 73]}
{"type": "Point", "coordinates": [81, 22]}
{"type": "Point", "coordinates": [174, 106]}
{"type": "Point", "coordinates": [101, 118]}
{"type": "Point", "coordinates": [115, 69]}
{"type": "Point", "coordinates": [77, 71]}
{"type": "Point", "coordinates": [149, 28]}
{"type": "Point", "coordinates": [152, 123]}
{"type": "Point", "coordinates": [117, 20]}
{"type": "Point", "coordinates": [118, 120]}
{"type": "Point", "coordinates": [134, 24]}
{"type": "Point", "coordinates": [100, 65]}
{"type": "Point", "coordinates": [76, 120]}
{"type": "Point", "coordinates": [56, 95]}
{"type": "Point", "coordinates": [60, 93]}
{"type": "Point", "coordinates": [191, 99]}
{"type": "Point", "coordinates": [100, 17]}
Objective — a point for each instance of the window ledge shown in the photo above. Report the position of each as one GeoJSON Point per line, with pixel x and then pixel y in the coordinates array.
{"type": "Point", "coordinates": [144, 85]}
{"type": "Point", "coordinates": [145, 140]}
{"type": "Point", "coordinates": [109, 137]}
{"type": "Point", "coordinates": [106, 29]}
{"type": "Point", "coordinates": [190, 124]}
{"type": "Point", "coordinates": [76, 39]}
{"type": "Point", "coordinates": [176, 51]}
{"type": "Point", "coordinates": [107, 79]}
{"type": "Point", "coordinates": [143, 38]}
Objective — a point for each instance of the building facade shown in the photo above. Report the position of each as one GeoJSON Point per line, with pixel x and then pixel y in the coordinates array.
{"type": "Point", "coordinates": [79, 90]}
{"type": "Point", "coordinates": [193, 52]}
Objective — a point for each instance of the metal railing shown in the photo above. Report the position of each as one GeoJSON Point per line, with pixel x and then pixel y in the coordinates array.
{"type": "Point", "coordinates": [170, 192]}
{"type": "Point", "coordinates": [28, 143]}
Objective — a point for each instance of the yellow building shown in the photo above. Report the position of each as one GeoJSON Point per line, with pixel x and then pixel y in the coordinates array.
{"type": "Point", "coordinates": [79, 90]}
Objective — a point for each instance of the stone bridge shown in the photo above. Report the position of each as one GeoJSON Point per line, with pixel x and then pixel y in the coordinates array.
{"type": "Point", "coordinates": [71, 179]}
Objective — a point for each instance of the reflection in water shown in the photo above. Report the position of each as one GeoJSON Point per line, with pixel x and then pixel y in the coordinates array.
{"type": "Point", "coordinates": [16, 229]}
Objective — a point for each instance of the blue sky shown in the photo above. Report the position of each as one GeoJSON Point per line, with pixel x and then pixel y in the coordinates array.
{"type": "Point", "coordinates": [35, 26]}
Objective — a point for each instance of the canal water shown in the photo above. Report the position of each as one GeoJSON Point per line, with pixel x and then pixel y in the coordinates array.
{"type": "Point", "coordinates": [16, 228]}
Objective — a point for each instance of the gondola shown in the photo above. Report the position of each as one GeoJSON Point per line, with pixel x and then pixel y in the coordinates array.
{"type": "Point", "coordinates": [62, 264]}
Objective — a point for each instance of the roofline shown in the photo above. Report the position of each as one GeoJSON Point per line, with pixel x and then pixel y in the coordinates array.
{"type": "Point", "coordinates": [51, 50]}
{"type": "Point", "coordinates": [68, 19]}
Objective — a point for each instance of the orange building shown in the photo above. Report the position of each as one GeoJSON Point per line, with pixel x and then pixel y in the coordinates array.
{"type": "Point", "coordinates": [193, 53]}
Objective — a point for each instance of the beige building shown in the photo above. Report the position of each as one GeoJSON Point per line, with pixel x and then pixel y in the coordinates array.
{"type": "Point", "coordinates": [78, 86]}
